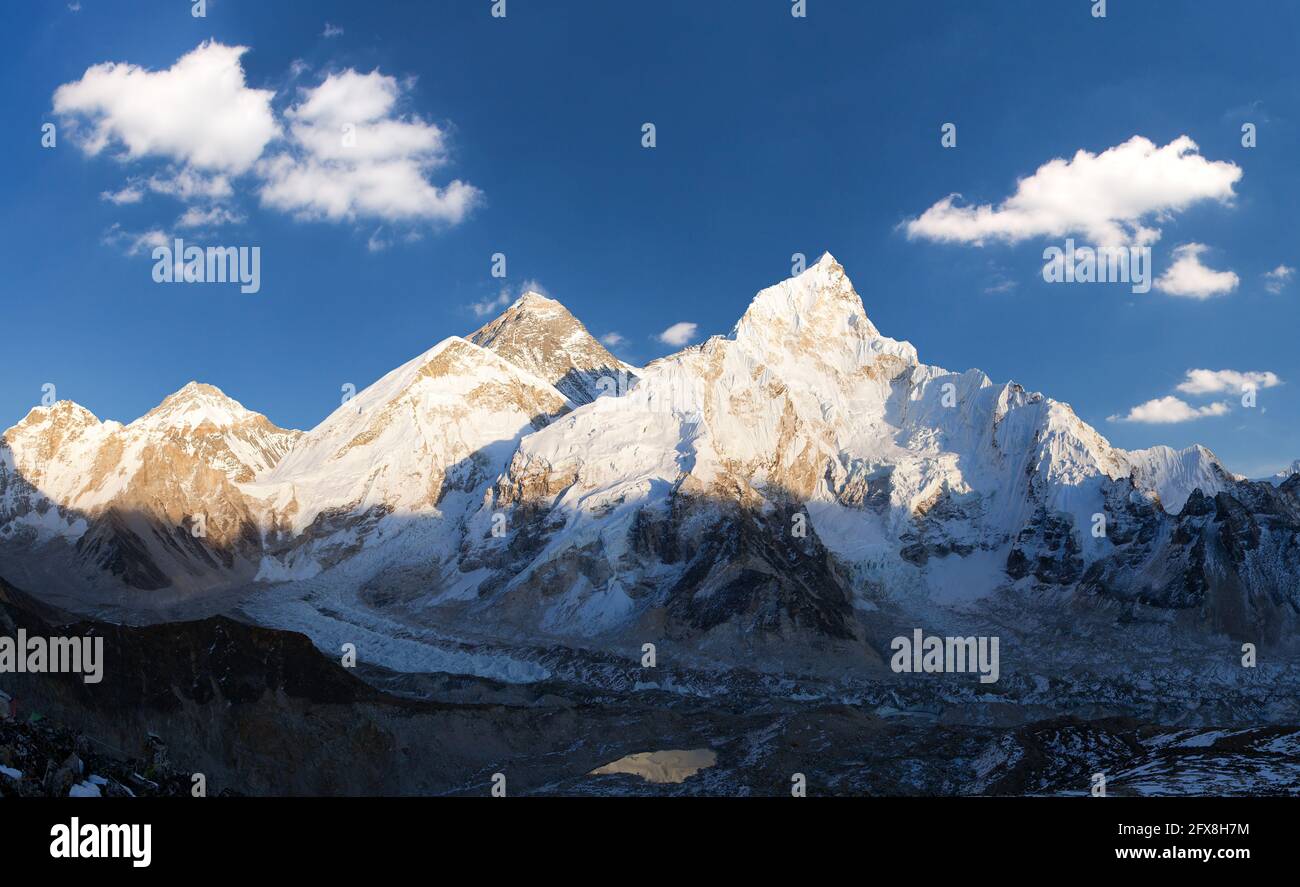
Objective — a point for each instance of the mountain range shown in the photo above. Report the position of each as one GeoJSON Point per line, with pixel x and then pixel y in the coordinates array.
{"type": "Point", "coordinates": [790, 493]}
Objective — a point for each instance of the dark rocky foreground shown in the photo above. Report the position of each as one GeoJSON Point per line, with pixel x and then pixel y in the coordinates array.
{"type": "Point", "coordinates": [260, 711]}
{"type": "Point", "coordinates": [42, 759]}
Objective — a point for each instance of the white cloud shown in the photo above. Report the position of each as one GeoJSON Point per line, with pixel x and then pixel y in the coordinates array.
{"type": "Point", "coordinates": [208, 217]}
{"type": "Point", "coordinates": [348, 97]}
{"type": "Point", "coordinates": [1111, 198]}
{"type": "Point", "coordinates": [678, 334]}
{"type": "Point", "coordinates": [135, 242]}
{"type": "Point", "coordinates": [1169, 410]}
{"type": "Point", "coordinates": [492, 306]}
{"type": "Point", "coordinates": [1217, 381]}
{"type": "Point", "coordinates": [187, 185]}
{"type": "Point", "coordinates": [1188, 277]}
{"type": "Point", "coordinates": [504, 297]}
{"type": "Point", "coordinates": [130, 193]}
{"type": "Point", "coordinates": [199, 112]}
{"type": "Point", "coordinates": [1276, 279]}
{"type": "Point", "coordinates": [343, 152]}
{"type": "Point", "coordinates": [352, 156]}
{"type": "Point", "coordinates": [332, 31]}
{"type": "Point", "coordinates": [613, 339]}
{"type": "Point", "coordinates": [1252, 111]}
{"type": "Point", "coordinates": [377, 243]}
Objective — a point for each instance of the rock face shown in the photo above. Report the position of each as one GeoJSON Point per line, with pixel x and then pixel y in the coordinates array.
{"type": "Point", "coordinates": [761, 495]}
{"type": "Point", "coordinates": [768, 482]}
{"type": "Point", "coordinates": [539, 335]}
{"type": "Point", "coordinates": [225, 698]}
{"type": "Point", "coordinates": [411, 446]}
{"type": "Point", "coordinates": [1173, 475]}
{"type": "Point", "coordinates": [39, 759]}
{"type": "Point", "coordinates": [262, 711]}
{"type": "Point", "coordinates": [1286, 473]}
{"type": "Point", "coordinates": [157, 503]}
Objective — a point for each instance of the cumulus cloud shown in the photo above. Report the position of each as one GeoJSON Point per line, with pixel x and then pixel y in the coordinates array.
{"type": "Point", "coordinates": [199, 112]}
{"type": "Point", "coordinates": [1113, 198]}
{"type": "Point", "coordinates": [1276, 279]}
{"type": "Point", "coordinates": [613, 339]}
{"type": "Point", "coordinates": [678, 334]}
{"type": "Point", "coordinates": [352, 156]}
{"type": "Point", "coordinates": [342, 152]}
{"type": "Point", "coordinates": [1218, 381]}
{"type": "Point", "coordinates": [1169, 410]}
{"type": "Point", "coordinates": [1188, 278]}
{"type": "Point", "coordinates": [332, 31]}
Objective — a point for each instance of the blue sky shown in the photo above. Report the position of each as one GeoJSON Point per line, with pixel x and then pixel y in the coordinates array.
{"type": "Point", "coordinates": [775, 135]}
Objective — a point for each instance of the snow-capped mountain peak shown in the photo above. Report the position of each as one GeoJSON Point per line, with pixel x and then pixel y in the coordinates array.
{"type": "Point", "coordinates": [537, 300]}
{"type": "Point", "coordinates": [66, 473]}
{"type": "Point", "coordinates": [1173, 474]}
{"type": "Point", "coordinates": [202, 421]}
{"type": "Point", "coordinates": [539, 335]}
{"type": "Point", "coordinates": [778, 479]}
{"type": "Point", "coordinates": [49, 450]}
{"type": "Point", "coordinates": [816, 315]}
{"type": "Point", "coordinates": [438, 423]}
{"type": "Point", "coordinates": [193, 405]}
{"type": "Point", "coordinates": [61, 412]}
{"type": "Point", "coordinates": [821, 292]}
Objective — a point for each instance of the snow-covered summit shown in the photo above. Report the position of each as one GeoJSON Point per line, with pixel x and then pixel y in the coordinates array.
{"type": "Point", "coordinates": [1285, 473]}
{"type": "Point", "coordinates": [524, 476]}
{"type": "Point", "coordinates": [539, 335]}
{"type": "Point", "coordinates": [899, 465]}
{"type": "Point", "coordinates": [1174, 474]}
{"type": "Point", "coordinates": [428, 426]}
{"type": "Point", "coordinates": [193, 405]}
{"type": "Point", "coordinates": [65, 471]}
